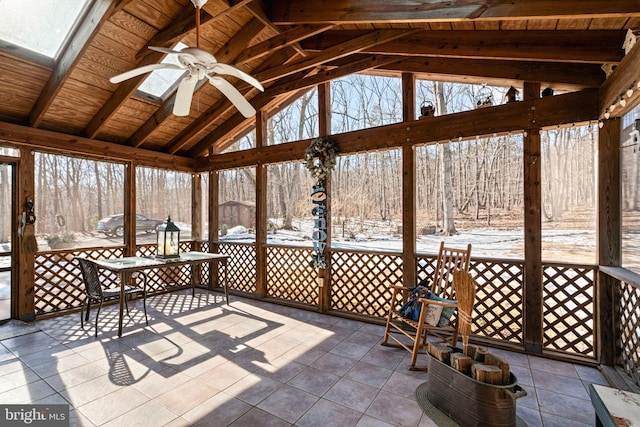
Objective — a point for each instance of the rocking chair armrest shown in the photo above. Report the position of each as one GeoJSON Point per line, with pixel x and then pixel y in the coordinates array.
{"type": "Point", "coordinates": [434, 302]}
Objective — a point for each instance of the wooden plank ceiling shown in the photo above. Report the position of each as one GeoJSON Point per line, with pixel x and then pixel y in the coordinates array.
{"type": "Point", "coordinates": [290, 46]}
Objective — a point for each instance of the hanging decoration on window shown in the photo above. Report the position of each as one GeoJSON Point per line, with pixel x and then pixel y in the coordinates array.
{"type": "Point", "coordinates": [319, 212]}
{"type": "Point", "coordinates": [320, 158]}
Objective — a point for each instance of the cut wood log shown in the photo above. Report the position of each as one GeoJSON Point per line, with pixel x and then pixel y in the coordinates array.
{"type": "Point", "coordinates": [461, 363]}
{"type": "Point", "coordinates": [486, 373]}
{"type": "Point", "coordinates": [480, 354]}
{"type": "Point", "coordinates": [495, 360]}
{"type": "Point", "coordinates": [441, 352]}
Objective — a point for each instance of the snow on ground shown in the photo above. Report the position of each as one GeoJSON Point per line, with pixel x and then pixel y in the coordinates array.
{"type": "Point", "coordinates": [558, 245]}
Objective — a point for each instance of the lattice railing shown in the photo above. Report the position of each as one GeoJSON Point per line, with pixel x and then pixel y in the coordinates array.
{"type": "Point", "coordinates": [568, 308]}
{"type": "Point", "coordinates": [498, 307]}
{"type": "Point", "coordinates": [498, 311]}
{"type": "Point", "coordinates": [166, 278]}
{"type": "Point", "coordinates": [361, 281]}
{"type": "Point", "coordinates": [629, 357]}
{"type": "Point", "coordinates": [241, 267]}
{"type": "Point", "coordinates": [289, 275]}
{"type": "Point", "coordinates": [58, 280]}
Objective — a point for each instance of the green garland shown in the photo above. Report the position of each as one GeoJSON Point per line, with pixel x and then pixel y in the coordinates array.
{"type": "Point", "coordinates": [320, 158]}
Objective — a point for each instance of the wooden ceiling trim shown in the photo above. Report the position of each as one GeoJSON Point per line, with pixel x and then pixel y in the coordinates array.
{"type": "Point", "coordinates": [550, 111]}
{"type": "Point", "coordinates": [280, 41]}
{"type": "Point", "coordinates": [340, 50]}
{"type": "Point", "coordinates": [226, 54]}
{"type": "Point", "coordinates": [558, 75]}
{"type": "Point", "coordinates": [373, 11]}
{"type": "Point", "coordinates": [64, 143]}
{"type": "Point", "coordinates": [625, 76]}
{"type": "Point", "coordinates": [99, 12]}
{"type": "Point", "coordinates": [596, 47]}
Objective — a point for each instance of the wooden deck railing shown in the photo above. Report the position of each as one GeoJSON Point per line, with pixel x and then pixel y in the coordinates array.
{"type": "Point", "coordinates": [360, 283]}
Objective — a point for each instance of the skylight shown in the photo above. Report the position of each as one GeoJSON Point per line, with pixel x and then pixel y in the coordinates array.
{"type": "Point", "coordinates": [160, 82]}
{"type": "Point", "coordinates": [40, 26]}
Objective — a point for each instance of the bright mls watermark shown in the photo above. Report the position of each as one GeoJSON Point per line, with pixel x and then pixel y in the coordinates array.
{"type": "Point", "coordinates": [34, 415]}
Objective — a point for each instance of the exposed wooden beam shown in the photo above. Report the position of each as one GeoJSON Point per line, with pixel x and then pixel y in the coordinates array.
{"type": "Point", "coordinates": [60, 142]}
{"type": "Point", "coordinates": [340, 50]}
{"type": "Point", "coordinates": [624, 77]}
{"type": "Point", "coordinates": [282, 40]}
{"type": "Point", "coordinates": [99, 12]}
{"type": "Point", "coordinates": [380, 11]}
{"type": "Point", "coordinates": [560, 109]}
{"type": "Point", "coordinates": [225, 54]}
{"type": "Point", "coordinates": [588, 46]}
{"type": "Point", "coordinates": [555, 74]}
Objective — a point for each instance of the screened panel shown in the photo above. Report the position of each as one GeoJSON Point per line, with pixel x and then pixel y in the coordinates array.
{"type": "Point", "coordinates": [237, 205]}
{"type": "Point", "coordinates": [471, 192]}
{"type": "Point", "coordinates": [160, 194]}
{"type": "Point", "coordinates": [630, 195]}
{"type": "Point", "coordinates": [569, 194]}
{"type": "Point", "coordinates": [73, 198]}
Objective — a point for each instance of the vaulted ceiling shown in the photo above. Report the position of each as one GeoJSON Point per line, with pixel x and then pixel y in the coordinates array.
{"type": "Point", "coordinates": [291, 46]}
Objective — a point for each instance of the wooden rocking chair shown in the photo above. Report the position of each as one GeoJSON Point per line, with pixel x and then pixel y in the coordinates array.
{"type": "Point", "coordinates": [412, 334]}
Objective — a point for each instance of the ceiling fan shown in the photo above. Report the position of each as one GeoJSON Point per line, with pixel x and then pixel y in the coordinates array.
{"type": "Point", "coordinates": [199, 64]}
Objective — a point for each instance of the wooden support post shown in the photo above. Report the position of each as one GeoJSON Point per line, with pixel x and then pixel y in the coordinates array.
{"type": "Point", "coordinates": [214, 187]}
{"type": "Point", "coordinates": [533, 286]}
{"type": "Point", "coordinates": [408, 186]}
{"type": "Point", "coordinates": [196, 211]}
{"type": "Point", "coordinates": [130, 247]}
{"type": "Point", "coordinates": [24, 308]}
{"type": "Point", "coordinates": [608, 241]}
{"type": "Point", "coordinates": [408, 97]}
{"type": "Point", "coordinates": [261, 209]}
{"type": "Point", "coordinates": [324, 122]}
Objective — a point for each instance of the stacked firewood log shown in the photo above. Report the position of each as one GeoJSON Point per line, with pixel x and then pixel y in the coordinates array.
{"type": "Point", "coordinates": [477, 363]}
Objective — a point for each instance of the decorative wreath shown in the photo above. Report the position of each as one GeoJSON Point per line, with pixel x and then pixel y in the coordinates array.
{"type": "Point", "coordinates": [320, 158]}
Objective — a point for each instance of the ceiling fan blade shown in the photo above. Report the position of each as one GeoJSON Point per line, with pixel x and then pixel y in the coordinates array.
{"type": "Point", "coordinates": [163, 49]}
{"type": "Point", "coordinates": [234, 95]}
{"type": "Point", "coordinates": [182, 105]}
{"type": "Point", "coordinates": [220, 68]}
{"type": "Point", "coordinates": [141, 70]}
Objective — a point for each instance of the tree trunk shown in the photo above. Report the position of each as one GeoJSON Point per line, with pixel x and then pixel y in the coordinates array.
{"type": "Point", "coordinates": [449, 227]}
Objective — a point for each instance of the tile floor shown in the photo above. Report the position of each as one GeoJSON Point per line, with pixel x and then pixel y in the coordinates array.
{"type": "Point", "coordinates": [201, 362]}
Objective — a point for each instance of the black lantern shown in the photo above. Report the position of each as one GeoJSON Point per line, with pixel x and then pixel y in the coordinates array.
{"type": "Point", "coordinates": [168, 238]}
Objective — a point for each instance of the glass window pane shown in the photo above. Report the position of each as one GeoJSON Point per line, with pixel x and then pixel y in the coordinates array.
{"type": "Point", "coordinates": [41, 26]}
